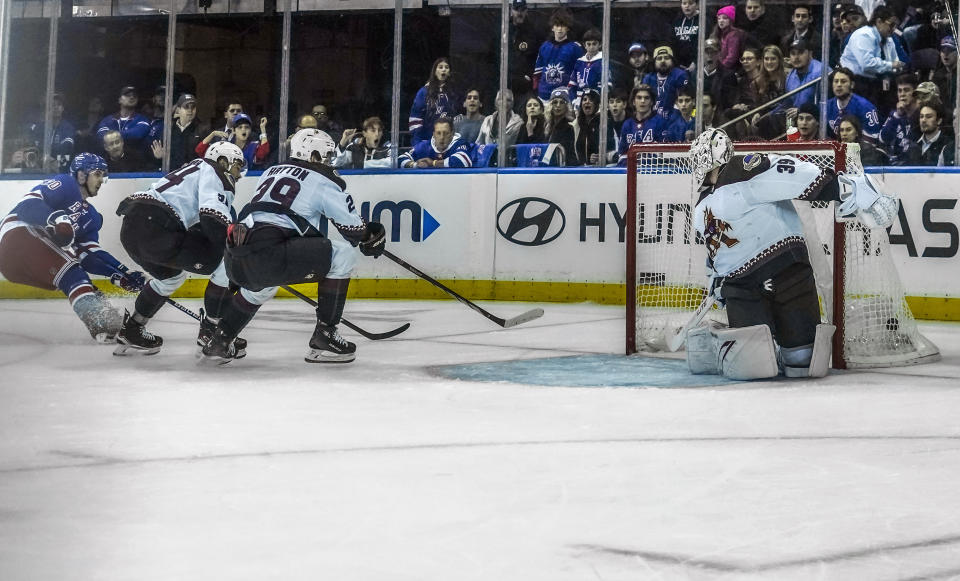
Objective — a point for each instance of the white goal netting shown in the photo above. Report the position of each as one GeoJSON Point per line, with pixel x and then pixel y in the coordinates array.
{"type": "Point", "coordinates": [860, 289]}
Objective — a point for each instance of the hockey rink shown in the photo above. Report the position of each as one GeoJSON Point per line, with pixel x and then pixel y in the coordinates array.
{"type": "Point", "coordinates": [459, 451]}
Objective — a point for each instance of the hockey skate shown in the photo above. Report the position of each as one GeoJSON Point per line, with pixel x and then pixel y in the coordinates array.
{"type": "Point", "coordinates": [102, 320]}
{"type": "Point", "coordinates": [218, 349]}
{"type": "Point", "coordinates": [134, 339]}
{"type": "Point", "coordinates": [207, 330]}
{"type": "Point", "coordinates": [327, 346]}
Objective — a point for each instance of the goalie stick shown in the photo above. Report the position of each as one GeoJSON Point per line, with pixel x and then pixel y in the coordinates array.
{"type": "Point", "coordinates": [676, 339]}
{"type": "Point", "coordinates": [505, 323]}
{"type": "Point", "coordinates": [367, 334]}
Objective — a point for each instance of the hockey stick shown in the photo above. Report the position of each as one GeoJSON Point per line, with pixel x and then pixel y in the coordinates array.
{"type": "Point", "coordinates": [505, 323]}
{"type": "Point", "coordinates": [367, 334]}
{"type": "Point", "coordinates": [182, 308]}
{"type": "Point", "coordinates": [676, 339]}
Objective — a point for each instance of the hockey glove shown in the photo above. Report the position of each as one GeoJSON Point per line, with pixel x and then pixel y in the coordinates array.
{"type": "Point", "coordinates": [861, 195]}
{"type": "Point", "coordinates": [375, 240]}
{"type": "Point", "coordinates": [130, 281]}
{"type": "Point", "coordinates": [60, 228]}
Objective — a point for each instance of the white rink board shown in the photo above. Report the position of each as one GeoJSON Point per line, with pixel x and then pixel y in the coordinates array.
{"type": "Point", "coordinates": [466, 243]}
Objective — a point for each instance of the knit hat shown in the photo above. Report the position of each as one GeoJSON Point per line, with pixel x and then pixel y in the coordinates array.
{"type": "Point", "coordinates": [728, 11]}
{"type": "Point", "coordinates": [560, 93]}
{"type": "Point", "coordinates": [811, 109]}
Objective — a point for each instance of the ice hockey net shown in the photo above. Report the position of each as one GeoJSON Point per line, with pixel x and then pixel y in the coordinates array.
{"type": "Point", "coordinates": [860, 289]}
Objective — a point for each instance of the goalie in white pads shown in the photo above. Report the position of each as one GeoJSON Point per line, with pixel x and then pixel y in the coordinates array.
{"type": "Point", "coordinates": [757, 258]}
{"type": "Point", "coordinates": [277, 241]}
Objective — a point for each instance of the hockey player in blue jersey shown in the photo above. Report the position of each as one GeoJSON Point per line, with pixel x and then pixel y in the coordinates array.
{"type": "Point", "coordinates": [277, 241]}
{"type": "Point", "coordinates": [557, 57]}
{"type": "Point", "coordinates": [647, 125]}
{"type": "Point", "coordinates": [434, 100]}
{"type": "Point", "coordinates": [445, 149]}
{"type": "Point", "coordinates": [50, 240]}
{"type": "Point", "coordinates": [846, 102]}
{"type": "Point", "coordinates": [757, 257]}
{"type": "Point", "coordinates": [179, 225]}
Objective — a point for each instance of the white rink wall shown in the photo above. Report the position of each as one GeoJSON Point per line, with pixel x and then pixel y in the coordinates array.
{"type": "Point", "coordinates": [560, 225]}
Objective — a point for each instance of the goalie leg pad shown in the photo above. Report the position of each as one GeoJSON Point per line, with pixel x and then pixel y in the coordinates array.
{"type": "Point", "coordinates": [741, 354]}
{"type": "Point", "coordinates": [810, 360]}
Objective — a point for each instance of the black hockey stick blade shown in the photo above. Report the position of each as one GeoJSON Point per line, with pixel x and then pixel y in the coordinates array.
{"type": "Point", "coordinates": [505, 323]}
{"type": "Point", "coordinates": [348, 324]}
{"type": "Point", "coordinates": [182, 308]}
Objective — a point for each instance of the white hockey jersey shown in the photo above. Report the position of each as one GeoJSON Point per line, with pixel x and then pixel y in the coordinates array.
{"type": "Point", "coordinates": [194, 189]}
{"type": "Point", "coordinates": [315, 193]}
{"type": "Point", "coordinates": [748, 219]}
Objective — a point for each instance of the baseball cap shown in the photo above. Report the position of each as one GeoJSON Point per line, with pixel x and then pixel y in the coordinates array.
{"type": "Point", "coordinates": [928, 88]}
{"type": "Point", "coordinates": [663, 50]}
{"type": "Point", "coordinates": [128, 89]}
{"type": "Point", "coordinates": [519, 4]}
{"type": "Point", "coordinates": [242, 118]}
{"type": "Point", "coordinates": [560, 93]}
{"type": "Point", "coordinates": [711, 44]}
{"type": "Point", "coordinates": [840, 7]}
{"type": "Point", "coordinates": [636, 47]}
{"type": "Point", "coordinates": [948, 43]}
{"type": "Point", "coordinates": [186, 98]}
{"type": "Point", "coordinates": [852, 9]}
{"type": "Point", "coordinates": [799, 44]}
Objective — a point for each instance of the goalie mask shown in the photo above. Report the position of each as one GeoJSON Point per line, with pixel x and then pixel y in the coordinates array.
{"type": "Point", "coordinates": [232, 153]}
{"type": "Point", "coordinates": [306, 141]}
{"type": "Point", "coordinates": [711, 149]}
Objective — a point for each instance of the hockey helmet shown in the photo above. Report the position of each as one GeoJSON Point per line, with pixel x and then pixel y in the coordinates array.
{"type": "Point", "coordinates": [87, 162]}
{"type": "Point", "coordinates": [231, 152]}
{"type": "Point", "coordinates": [306, 141]}
{"type": "Point", "coordinates": [711, 149]}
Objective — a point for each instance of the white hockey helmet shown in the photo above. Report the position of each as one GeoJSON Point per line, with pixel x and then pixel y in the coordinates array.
{"type": "Point", "coordinates": [228, 150]}
{"type": "Point", "coordinates": [306, 141]}
{"type": "Point", "coordinates": [712, 148]}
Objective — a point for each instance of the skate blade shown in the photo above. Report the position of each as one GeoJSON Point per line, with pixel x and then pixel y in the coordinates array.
{"type": "Point", "coordinates": [213, 360]}
{"type": "Point", "coordinates": [106, 338]}
{"type": "Point", "coordinates": [322, 356]}
{"type": "Point", "coordinates": [123, 350]}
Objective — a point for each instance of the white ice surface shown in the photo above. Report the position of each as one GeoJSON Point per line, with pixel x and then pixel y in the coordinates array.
{"type": "Point", "coordinates": [272, 468]}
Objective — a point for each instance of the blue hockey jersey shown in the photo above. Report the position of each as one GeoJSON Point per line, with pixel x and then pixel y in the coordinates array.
{"type": "Point", "coordinates": [135, 129]}
{"type": "Point", "coordinates": [587, 74]}
{"type": "Point", "coordinates": [555, 64]}
{"type": "Point", "coordinates": [666, 87]}
{"type": "Point", "coordinates": [862, 109]}
{"type": "Point", "coordinates": [423, 114]}
{"type": "Point", "coordinates": [457, 154]}
{"type": "Point", "coordinates": [61, 193]}
{"type": "Point", "coordinates": [655, 129]}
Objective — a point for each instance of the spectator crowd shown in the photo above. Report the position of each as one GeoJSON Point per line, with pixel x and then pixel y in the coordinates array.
{"type": "Point", "coordinates": [892, 90]}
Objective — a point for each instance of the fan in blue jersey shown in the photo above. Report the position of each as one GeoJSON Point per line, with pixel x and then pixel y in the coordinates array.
{"type": "Point", "coordinates": [277, 241]}
{"type": "Point", "coordinates": [647, 125]}
{"type": "Point", "coordinates": [846, 102]}
{"type": "Point", "coordinates": [757, 258]}
{"type": "Point", "coordinates": [50, 240]}
{"type": "Point", "coordinates": [557, 57]}
{"type": "Point", "coordinates": [433, 101]}
{"type": "Point", "coordinates": [666, 79]}
{"type": "Point", "coordinates": [177, 226]}
{"type": "Point", "coordinates": [445, 149]}
{"type": "Point", "coordinates": [134, 127]}
{"type": "Point", "coordinates": [588, 70]}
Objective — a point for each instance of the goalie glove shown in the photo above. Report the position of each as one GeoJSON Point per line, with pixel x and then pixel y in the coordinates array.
{"type": "Point", "coordinates": [130, 281]}
{"type": "Point", "coordinates": [861, 195]}
{"type": "Point", "coordinates": [60, 229]}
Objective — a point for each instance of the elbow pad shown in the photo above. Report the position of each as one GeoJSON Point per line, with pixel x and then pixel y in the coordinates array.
{"type": "Point", "coordinates": [214, 229]}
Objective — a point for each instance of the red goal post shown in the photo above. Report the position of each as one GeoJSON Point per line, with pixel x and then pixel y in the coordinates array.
{"type": "Point", "coordinates": [666, 268]}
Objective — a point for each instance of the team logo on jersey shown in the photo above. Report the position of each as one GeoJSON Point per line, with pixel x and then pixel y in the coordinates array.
{"type": "Point", "coordinates": [553, 74]}
{"type": "Point", "coordinates": [531, 221]}
{"type": "Point", "coordinates": [715, 234]}
{"type": "Point", "coordinates": [751, 160]}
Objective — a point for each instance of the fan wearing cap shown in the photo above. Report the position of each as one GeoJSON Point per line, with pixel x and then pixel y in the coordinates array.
{"type": "Point", "coordinates": [255, 151]}
{"type": "Point", "coordinates": [525, 40]}
{"type": "Point", "coordinates": [685, 34]}
{"type": "Point", "coordinates": [558, 127]}
{"type": "Point", "coordinates": [640, 63]}
{"type": "Point", "coordinates": [666, 79]}
{"type": "Point", "coordinates": [805, 69]}
{"type": "Point", "coordinates": [50, 240]}
{"type": "Point", "coordinates": [731, 38]}
{"type": "Point", "coordinates": [61, 141]}
{"type": "Point", "coordinates": [154, 139]}
{"type": "Point", "coordinates": [719, 82]}
{"type": "Point", "coordinates": [557, 56]}
{"type": "Point", "coordinates": [945, 75]}
{"type": "Point", "coordinates": [132, 125]}
{"type": "Point", "coordinates": [185, 133]}
{"type": "Point", "coordinates": [588, 70]}
{"type": "Point", "coordinates": [445, 149]}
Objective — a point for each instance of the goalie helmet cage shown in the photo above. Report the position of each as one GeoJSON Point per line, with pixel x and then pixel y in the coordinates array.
{"type": "Point", "coordinates": [860, 290]}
